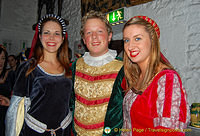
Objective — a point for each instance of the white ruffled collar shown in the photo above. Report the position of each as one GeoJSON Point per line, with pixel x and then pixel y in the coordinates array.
{"type": "Point", "coordinates": [101, 60]}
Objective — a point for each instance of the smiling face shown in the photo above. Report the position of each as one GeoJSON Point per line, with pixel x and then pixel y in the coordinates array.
{"type": "Point", "coordinates": [51, 37]}
{"type": "Point", "coordinates": [137, 44]}
{"type": "Point", "coordinates": [96, 37]}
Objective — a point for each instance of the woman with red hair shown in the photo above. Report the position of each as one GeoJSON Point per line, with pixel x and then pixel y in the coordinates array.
{"type": "Point", "coordinates": [40, 102]}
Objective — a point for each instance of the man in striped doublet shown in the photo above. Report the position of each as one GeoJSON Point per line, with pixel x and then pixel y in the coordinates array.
{"type": "Point", "coordinates": [97, 77]}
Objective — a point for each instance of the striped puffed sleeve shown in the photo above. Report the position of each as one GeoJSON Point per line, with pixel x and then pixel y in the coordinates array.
{"type": "Point", "coordinates": [172, 106]}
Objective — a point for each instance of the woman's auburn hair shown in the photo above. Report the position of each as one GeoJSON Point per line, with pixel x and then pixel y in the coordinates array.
{"type": "Point", "coordinates": [38, 56]}
{"type": "Point", "coordinates": [132, 70]}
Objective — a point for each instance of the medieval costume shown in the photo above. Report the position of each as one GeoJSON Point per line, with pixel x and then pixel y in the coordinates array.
{"type": "Point", "coordinates": [45, 97]}
{"type": "Point", "coordinates": [161, 109]}
{"type": "Point", "coordinates": [155, 103]}
{"type": "Point", "coordinates": [41, 94]}
{"type": "Point", "coordinates": [97, 97]}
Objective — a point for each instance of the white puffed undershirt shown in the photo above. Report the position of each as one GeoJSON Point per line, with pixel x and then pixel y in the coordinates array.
{"type": "Point", "coordinates": [100, 60]}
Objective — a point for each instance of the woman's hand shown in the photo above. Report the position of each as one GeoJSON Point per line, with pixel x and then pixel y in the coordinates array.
{"type": "Point", "coordinates": [4, 101]}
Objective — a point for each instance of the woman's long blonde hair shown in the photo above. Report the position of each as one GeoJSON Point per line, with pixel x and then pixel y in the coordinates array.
{"type": "Point", "coordinates": [132, 70]}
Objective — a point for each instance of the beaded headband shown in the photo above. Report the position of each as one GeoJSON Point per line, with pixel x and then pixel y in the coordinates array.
{"type": "Point", "coordinates": [61, 20]}
{"type": "Point", "coordinates": [156, 28]}
{"type": "Point", "coordinates": [38, 29]}
{"type": "Point", "coordinates": [152, 22]}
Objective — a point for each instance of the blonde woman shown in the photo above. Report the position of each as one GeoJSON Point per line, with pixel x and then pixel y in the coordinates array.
{"type": "Point", "coordinates": [155, 102]}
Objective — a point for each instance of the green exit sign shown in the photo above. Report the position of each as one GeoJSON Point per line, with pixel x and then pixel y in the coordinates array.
{"type": "Point", "coordinates": [115, 16]}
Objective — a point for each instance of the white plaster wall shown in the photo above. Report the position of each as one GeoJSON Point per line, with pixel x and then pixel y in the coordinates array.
{"type": "Point", "coordinates": [179, 22]}
{"type": "Point", "coordinates": [72, 12]}
{"type": "Point", "coordinates": [16, 20]}
{"type": "Point", "coordinates": [18, 16]}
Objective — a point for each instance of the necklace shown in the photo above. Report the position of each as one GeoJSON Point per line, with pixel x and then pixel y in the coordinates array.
{"type": "Point", "coordinates": [140, 91]}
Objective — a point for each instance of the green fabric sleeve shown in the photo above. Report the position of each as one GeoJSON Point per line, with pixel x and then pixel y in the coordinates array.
{"type": "Point", "coordinates": [72, 100]}
{"type": "Point", "coordinates": [114, 115]}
